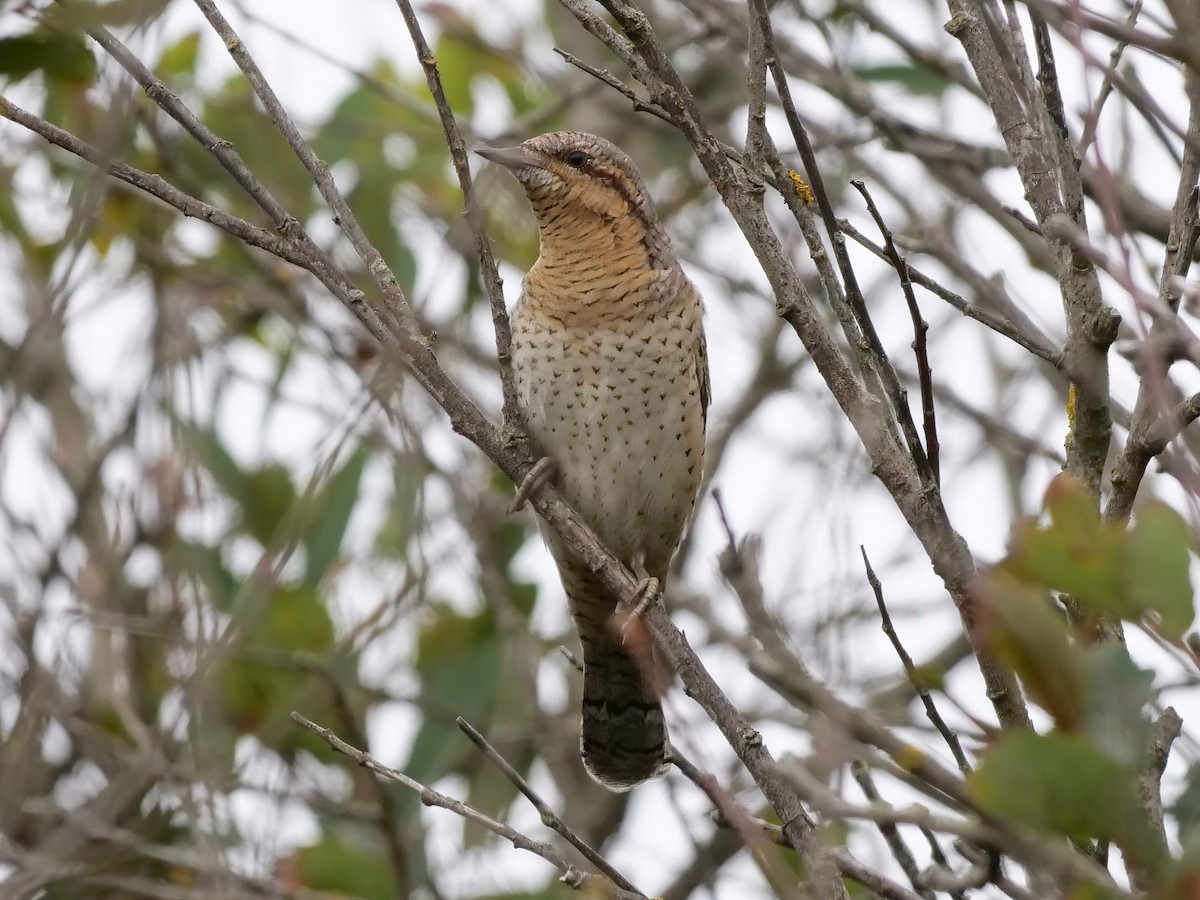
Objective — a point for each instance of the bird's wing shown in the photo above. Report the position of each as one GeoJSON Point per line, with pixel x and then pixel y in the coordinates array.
{"type": "Point", "coordinates": [700, 358]}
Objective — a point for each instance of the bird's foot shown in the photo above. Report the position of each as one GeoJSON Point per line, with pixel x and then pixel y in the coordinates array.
{"type": "Point", "coordinates": [648, 591]}
{"type": "Point", "coordinates": [543, 470]}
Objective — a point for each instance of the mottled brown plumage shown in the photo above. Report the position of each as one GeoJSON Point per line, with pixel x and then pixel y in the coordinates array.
{"type": "Point", "coordinates": [612, 377]}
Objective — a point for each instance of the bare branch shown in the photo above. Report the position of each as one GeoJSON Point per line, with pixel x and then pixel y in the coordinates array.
{"type": "Point", "coordinates": [920, 335]}
{"type": "Point", "coordinates": [549, 818]}
{"type": "Point", "coordinates": [572, 876]}
{"type": "Point", "coordinates": [483, 247]}
{"type": "Point", "coordinates": [931, 710]}
{"type": "Point", "coordinates": [890, 832]}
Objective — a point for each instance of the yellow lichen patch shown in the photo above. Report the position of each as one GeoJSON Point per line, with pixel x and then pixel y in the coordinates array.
{"type": "Point", "coordinates": [1071, 407]}
{"type": "Point", "coordinates": [802, 187]}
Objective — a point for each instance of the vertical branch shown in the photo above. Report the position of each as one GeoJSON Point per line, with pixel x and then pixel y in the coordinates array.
{"type": "Point", "coordinates": [1053, 185]}
{"type": "Point", "coordinates": [492, 282]}
{"type": "Point", "coordinates": [1141, 446]}
{"type": "Point", "coordinates": [1167, 727]}
{"type": "Point", "coordinates": [756, 91]}
{"type": "Point", "coordinates": [796, 194]}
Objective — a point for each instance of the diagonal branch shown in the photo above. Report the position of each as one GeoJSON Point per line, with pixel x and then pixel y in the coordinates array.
{"type": "Point", "coordinates": [918, 683]}
{"type": "Point", "coordinates": [571, 876]}
{"type": "Point", "coordinates": [548, 816]}
{"type": "Point", "coordinates": [1144, 441]}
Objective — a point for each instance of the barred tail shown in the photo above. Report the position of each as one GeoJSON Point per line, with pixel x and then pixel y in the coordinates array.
{"type": "Point", "coordinates": [623, 740]}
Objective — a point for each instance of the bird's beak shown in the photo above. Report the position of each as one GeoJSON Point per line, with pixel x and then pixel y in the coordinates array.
{"type": "Point", "coordinates": [510, 157]}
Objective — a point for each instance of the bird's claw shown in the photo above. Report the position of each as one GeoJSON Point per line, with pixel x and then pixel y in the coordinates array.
{"type": "Point", "coordinates": [543, 470]}
{"type": "Point", "coordinates": [646, 593]}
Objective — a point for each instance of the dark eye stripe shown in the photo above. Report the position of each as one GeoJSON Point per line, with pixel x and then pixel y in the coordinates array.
{"type": "Point", "coordinates": [620, 185]}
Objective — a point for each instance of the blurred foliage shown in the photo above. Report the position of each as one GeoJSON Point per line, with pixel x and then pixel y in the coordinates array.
{"type": "Point", "coordinates": [60, 57]}
{"type": "Point", "coordinates": [1081, 779]}
{"type": "Point", "coordinates": [240, 644]}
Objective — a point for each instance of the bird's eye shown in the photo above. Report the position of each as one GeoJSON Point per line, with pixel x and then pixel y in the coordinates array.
{"type": "Point", "coordinates": [577, 158]}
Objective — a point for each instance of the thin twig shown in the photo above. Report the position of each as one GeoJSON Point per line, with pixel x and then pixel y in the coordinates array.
{"type": "Point", "coordinates": [571, 876]}
{"type": "Point", "coordinates": [607, 77]}
{"type": "Point", "coordinates": [492, 282]}
{"type": "Point", "coordinates": [791, 679]}
{"type": "Point", "coordinates": [1091, 122]}
{"type": "Point", "coordinates": [393, 294]}
{"type": "Point", "coordinates": [549, 817]}
{"type": "Point", "coordinates": [847, 864]}
{"type": "Point", "coordinates": [1144, 440]}
{"type": "Point", "coordinates": [920, 334]}
{"type": "Point", "coordinates": [728, 812]}
{"type": "Point", "coordinates": [639, 103]}
{"type": "Point", "coordinates": [387, 816]}
{"type": "Point", "coordinates": [931, 711]}
{"type": "Point", "coordinates": [891, 834]}
{"type": "Point", "coordinates": [896, 392]}
{"type": "Point", "coordinates": [1037, 344]}
{"type": "Point", "coordinates": [1004, 838]}
{"type": "Point", "coordinates": [739, 565]}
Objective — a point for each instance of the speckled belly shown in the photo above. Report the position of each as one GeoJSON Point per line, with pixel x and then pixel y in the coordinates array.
{"type": "Point", "coordinates": [619, 411]}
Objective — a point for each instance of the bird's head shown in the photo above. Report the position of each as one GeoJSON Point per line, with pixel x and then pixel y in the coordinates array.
{"type": "Point", "coordinates": [578, 183]}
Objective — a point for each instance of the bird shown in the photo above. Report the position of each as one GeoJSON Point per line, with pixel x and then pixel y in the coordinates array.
{"type": "Point", "coordinates": [611, 373]}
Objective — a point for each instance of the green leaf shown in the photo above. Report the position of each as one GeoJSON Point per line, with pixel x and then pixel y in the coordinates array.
{"type": "Point", "coordinates": [10, 216]}
{"type": "Point", "coordinates": [114, 14]}
{"type": "Point", "coordinates": [186, 558]}
{"type": "Point", "coordinates": [1021, 625]}
{"type": "Point", "coordinates": [408, 480]}
{"type": "Point", "coordinates": [268, 498]}
{"type": "Point", "coordinates": [212, 454]}
{"type": "Point", "coordinates": [372, 200]}
{"type": "Point", "coordinates": [916, 78]}
{"type": "Point", "coordinates": [362, 119]}
{"type": "Point", "coordinates": [1063, 785]}
{"type": "Point", "coordinates": [1187, 808]}
{"type": "Point", "coordinates": [323, 541]}
{"type": "Point", "coordinates": [62, 57]}
{"type": "Point", "coordinates": [1181, 878]}
{"type": "Point", "coordinates": [234, 115]}
{"type": "Point", "coordinates": [1109, 570]}
{"type": "Point", "coordinates": [179, 59]}
{"type": "Point", "coordinates": [1157, 557]}
{"type": "Point", "coordinates": [1076, 553]}
{"type": "Point", "coordinates": [263, 684]}
{"type": "Point", "coordinates": [1117, 695]}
